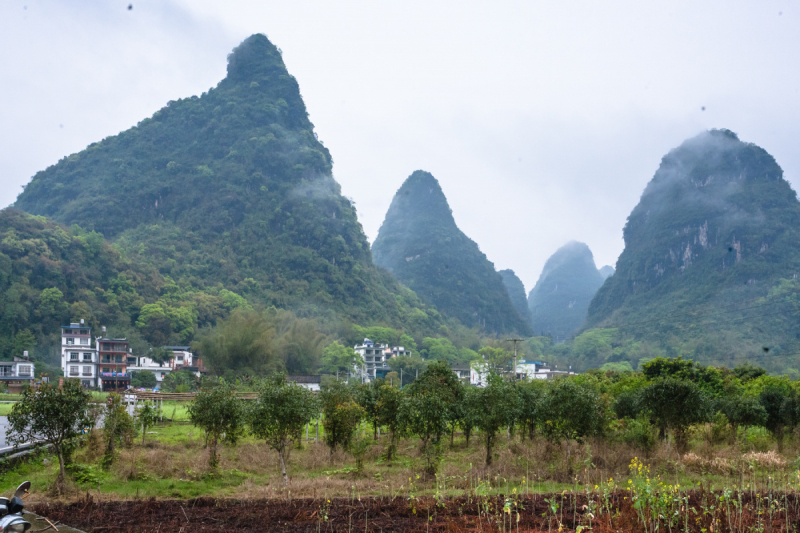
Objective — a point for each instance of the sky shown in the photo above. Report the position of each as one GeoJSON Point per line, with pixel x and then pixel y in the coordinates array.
{"type": "Point", "coordinates": [543, 121]}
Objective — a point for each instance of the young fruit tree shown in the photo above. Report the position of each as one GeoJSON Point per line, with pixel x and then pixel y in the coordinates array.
{"type": "Point", "coordinates": [53, 416]}
{"type": "Point", "coordinates": [572, 410]}
{"type": "Point", "coordinates": [425, 410]}
{"type": "Point", "coordinates": [117, 427]}
{"type": "Point", "coordinates": [218, 412]}
{"type": "Point", "coordinates": [675, 404]}
{"type": "Point", "coordinates": [499, 408]}
{"type": "Point", "coordinates": [341, 415]}
{"type": "Point", "coordinates": [147, 415]}
{"type": "Point", "coordinates": [280, 413]}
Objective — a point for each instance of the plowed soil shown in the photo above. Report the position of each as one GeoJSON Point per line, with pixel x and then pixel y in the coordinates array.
{"type": "Point", "coordinates": [386, 514]}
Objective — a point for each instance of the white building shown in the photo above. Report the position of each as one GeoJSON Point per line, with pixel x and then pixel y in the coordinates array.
{"type": "Point", "coordinates": [375, 356]}
{"type": "Point", "coordinates": [17, 374]}
{"type": "Point", "coordinates": [539, 370]}
{"type": "Point", "coordinates": [78, 354]}
{"type": "Point", "coordinates": [182, 359]}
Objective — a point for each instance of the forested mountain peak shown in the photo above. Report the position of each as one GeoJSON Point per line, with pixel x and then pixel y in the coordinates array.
{"type": "Point", "coordinates": [516, 291]}
{"type": "Point", "coordinates": [231, 187]}
{"type": "Point", "coordinates": [718, 226]}
{"type": "Point", "coordinates": [421, 245]}
{"type": "Point", "coordinates": [560, 298]}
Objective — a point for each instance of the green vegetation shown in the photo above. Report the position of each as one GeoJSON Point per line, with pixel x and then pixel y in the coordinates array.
{"type": "Point", "coordinates": [225, 201]}
{"type": "Point", "coordinates": [220, 414]}
{"type": "Point", "coordinates": [559, 300]}
{"type": "Point", "coordinates": [710, 263]}
{"type": "Point", "coordinates": [421, 245]}
{"type": "Point", "coordinates": [516, 291]}
{"type": "Point", "coordinates": [279, 415]}
{"type": "Point", "coordinates": [536, 436]}
{"type": "Point", "coordinates": [51, 415]}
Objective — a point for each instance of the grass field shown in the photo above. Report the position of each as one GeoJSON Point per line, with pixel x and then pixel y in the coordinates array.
{"type": "Point", "coordinates": [173, 463]}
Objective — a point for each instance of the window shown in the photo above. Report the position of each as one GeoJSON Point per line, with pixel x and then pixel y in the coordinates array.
{"type": "Point", "coordinates": [73, 356]}
{"type": "Point", "coordinates": [106, 370]}
{"type": "Point", "coordinates": [87, 356]}
{"type": "Point", "coordinates": [24, 370]}
{"type": "Point", "coordinates": [70, 340]}
{"type": "Point", "coordinates": [85, 341]}
{"type": "Point", "coordinates": [87, 371]}
{"type": "Point", "coordinates": [73, 371]}
{"type": "Point", "coordinates": [180, 358]}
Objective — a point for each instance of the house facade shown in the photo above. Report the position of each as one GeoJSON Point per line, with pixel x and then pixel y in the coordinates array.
{"type": "Point", "coordinates": [113, 364]}
{"type": "Point", "coordinates": [375, 356]}
{"type": "Point", "coordinates": [79, 354]}
{"type": "Point", "coordinates": [17, 374]}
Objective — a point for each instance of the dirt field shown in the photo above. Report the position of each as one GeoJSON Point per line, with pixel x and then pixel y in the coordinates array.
{"type": "Point", "coordinates": [707, 512]}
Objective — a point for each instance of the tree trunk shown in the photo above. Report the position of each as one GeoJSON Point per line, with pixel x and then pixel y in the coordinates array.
{"type": "Point", "coordinates": [212, 451]}
{"type": "Point", "coordinates": [375, 431]}
{"type": "Point", "coordinates": [62, 473]}
{"type": "Point", "coordinates": [467, 432]}
{"type": "Point", "coordinates": [452, 434]}
{"type": "Point", "coordinates": [283, 466]}
{"type": "Point", "coordinates": [142, 433]}
{"type": "Point", "coordinates": [489, 449]}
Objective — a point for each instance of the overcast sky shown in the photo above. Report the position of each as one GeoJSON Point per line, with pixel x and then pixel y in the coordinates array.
{"type": "Point", "coordinates": [543, 121]}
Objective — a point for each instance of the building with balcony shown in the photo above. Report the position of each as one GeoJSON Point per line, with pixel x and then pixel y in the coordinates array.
{"type": "Point", "coordinates": [78, 355]}
{"type": "Point", "coordinates": [16, 374]}
{"type": "Point", "coordinates": [375, 356]}
{"type": "Point", "coordinates": [113, 364]}
{"type": "Point", "coordinates": [183, 359]}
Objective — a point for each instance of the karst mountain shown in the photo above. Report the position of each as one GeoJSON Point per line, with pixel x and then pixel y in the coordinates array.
{"type": "Point", "coordinates": [559, 300]}
{"type": "Point", "coordinates": [711, 258]}
{"type": "Point", "coordinates": [229, 189]}
{"type": "Point", "coordinates": [516, 291]}
{"type": "Point", "coordinates": [421, 245]}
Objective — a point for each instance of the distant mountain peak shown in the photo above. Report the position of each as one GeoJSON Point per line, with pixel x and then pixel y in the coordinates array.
{"type": "Point", "coordinates": [256, 57]}
{"type": "Point", "coordinates": [420, 243]}
{"type": "Point", "coordinates": [560, 299]}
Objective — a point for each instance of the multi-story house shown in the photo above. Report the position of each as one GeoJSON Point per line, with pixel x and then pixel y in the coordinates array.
{"type": "Point", "coordinates": [16, 374]}
{"type": "Point", "coordinates": [78, 356]}
{"type": "Point", "coordinates": [182, 359]}
{"type": "Point", "coordinates": [113, 363]}
{"type": "Point", "coordinates": [375, 356]}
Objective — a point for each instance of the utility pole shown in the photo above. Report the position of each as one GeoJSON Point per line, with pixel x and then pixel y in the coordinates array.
{"type": "Point", "coordinates": [515, 341]}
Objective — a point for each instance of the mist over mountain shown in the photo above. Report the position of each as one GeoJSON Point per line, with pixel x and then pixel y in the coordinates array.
{"type": "Point", "coordinates": [711, 258]}
{"type": "Point", "coordinates": [231, 187]}
{"type": "Point", "coordinates": [606, 271]}
{"type": "Point", "coordinates": [516, 291]}
{"type": "Point", "coordinates": [559, 300]}
{"type": "Point", "coordinates": [421, 245]}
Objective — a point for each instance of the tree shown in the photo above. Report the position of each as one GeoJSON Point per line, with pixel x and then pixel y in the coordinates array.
{"type": "Point", "coordinates": [366, 395]}
{"type": "Point", "coordinates": [147, 416]}
{"type": "Point", "coordinates": [675, 404]}
{"type": "Point", "coordinates": [279, 414]}
{"type": "Point", "coordinates": [217, 411]}
{"type": "Point", "coordinates": [407, 366]}
{"type": "Point", "coordinates": [389, 401]}
{"type": "Point", "coordinates": [425, 410]}
{"type": "Point", "coordinates": [143, 379]}
{"type": "Point", "coordinates": [498, 360]}
{"type": "Point", "coordinates": [117, 426]}
{"type": "Point", "coordinates": [499, 407]}
{"type": "Point", "coordinates": [341, 415]}
{"type": "Point", "coordinates": [50, 415]}
{"type": "Point", "coordinates": [742, 411]}
{"type": "Point", "coordinates": [243, 344]}
{"type": "Point", "coordinates": [470, 411]}
{"type": "Point", "coordinates": [780, 404]}
{"type": "Point", "coordinates": [572, 410]}
{"type": "Point", "coordinates": [160, 355]}
{"type": "Point", "coordinates": [531, 411]}
{"type": "Point", "coordinates": [338, 358]}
